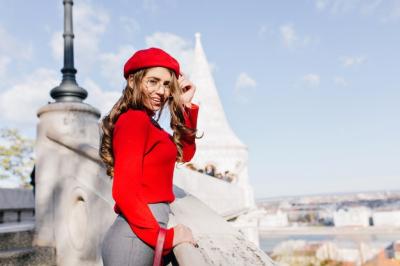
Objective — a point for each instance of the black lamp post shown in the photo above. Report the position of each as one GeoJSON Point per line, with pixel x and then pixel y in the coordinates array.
{"type": "Point", "coordinates": [68, 90]}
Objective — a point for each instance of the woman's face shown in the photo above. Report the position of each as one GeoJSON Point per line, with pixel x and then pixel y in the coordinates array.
{"type": "Point", "coordinates": [156, 85]}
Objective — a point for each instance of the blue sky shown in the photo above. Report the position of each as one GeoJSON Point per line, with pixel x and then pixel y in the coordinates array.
{"type": "Point", "coordinates": [312, 87]}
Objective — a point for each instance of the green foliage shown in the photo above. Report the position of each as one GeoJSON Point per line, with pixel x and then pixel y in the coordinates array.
{"type": "Point", "coordinates": [16, 155]}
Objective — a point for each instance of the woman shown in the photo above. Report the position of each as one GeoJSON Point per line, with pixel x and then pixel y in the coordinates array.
{"type": "Point", "coordinates": [140, 156]}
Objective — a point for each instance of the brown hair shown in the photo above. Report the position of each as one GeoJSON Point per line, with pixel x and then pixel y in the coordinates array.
{"type": "Point", "coordinates": [133, 98]}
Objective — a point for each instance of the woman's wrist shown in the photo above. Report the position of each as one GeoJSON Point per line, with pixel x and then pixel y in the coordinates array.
{"type": "Point", "coordinates": [188, 105]}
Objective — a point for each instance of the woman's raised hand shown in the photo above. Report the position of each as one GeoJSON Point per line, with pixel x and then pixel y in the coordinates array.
{"type": "Point", "coordinates": [182, 234]}
{"type": "Point", "coordinates": [188, 89]}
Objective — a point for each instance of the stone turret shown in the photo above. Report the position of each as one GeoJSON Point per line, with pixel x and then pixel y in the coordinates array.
{"type": "Point", "coordinates": [219, 146]}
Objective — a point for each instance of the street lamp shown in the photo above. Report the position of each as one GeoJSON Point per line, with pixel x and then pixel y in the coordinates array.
{"type": "Point", "coordinates": [68, 90]}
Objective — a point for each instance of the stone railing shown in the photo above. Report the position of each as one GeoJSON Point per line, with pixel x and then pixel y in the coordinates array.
{"type": "Point", "coordinates": [74, 207]}
{"type": "Point", "coordinates": [219, 243]}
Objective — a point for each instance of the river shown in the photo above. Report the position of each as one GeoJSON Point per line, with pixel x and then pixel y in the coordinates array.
{"type": "Point", "coordinates": [268, 242]}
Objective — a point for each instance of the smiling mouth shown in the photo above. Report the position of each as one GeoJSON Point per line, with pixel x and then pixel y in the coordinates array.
{"type": "Point", "coordinates": [156, 101]}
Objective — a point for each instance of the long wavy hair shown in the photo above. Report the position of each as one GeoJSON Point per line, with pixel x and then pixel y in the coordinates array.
{"type": "Point", "coordinates": [133, 98]}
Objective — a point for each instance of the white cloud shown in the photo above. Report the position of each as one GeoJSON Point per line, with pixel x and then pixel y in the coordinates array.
{"type": "Point", "coordinates": [371, 7]}
{"type": "Point", "coordinates": [243, 87]}
{"type": "Point", "coordinates": [321, 4]}
{"type": "Point", "coordinates": [340, 81]}
{"type": "Point", "coordinates": [288, 35]}
{"type": "Point", "coordinates": [291, 39]}
{"type": "Point", "coordinates": [150, 5]}
{"type": "Point", "coordinates": [31, 93]}
{"type": "Point", "coordinates": [245, 81]}
{"type": "Point", "coordinates": [99, 98]}
{"type": "Point", "coordinates": [56, 44]}
{"type": "Point", "coordinates": [13, 48]}
{"type": "Point", "coordinates": [130, 25]}
{"type": "Point", "coordinates": [393, 14]}
{"type": "Point", "coordinates": [342, 6]}
{"type": "Point", "coordinates": [111, 65]}
{"type": "Point", "coordinates": [349, 61]}
{"type": "Point", "coordinates": [312, 80]}
{"type": "Point", "coordinates": [158, 6]}
{"type": "Point", "coordinates": [168, 41]}
{"type": "Point", "coordinates": [264, 30]}
{"type": "Point", "coordinates": [339, 6]}
{"type": "Point", "coordinates": [4, 62]}
{"type": "Point", "coordinates": [90, 23]}
{"type": "Point", "coordinates": [175, 45]}
{"type": "Point", "coordinates": [12, 51]}
{"type": "Point", "coordinates": [388, 10]}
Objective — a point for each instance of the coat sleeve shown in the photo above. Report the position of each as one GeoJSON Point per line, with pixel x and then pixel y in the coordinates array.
{"type": "Point", "coordinates": [129, 142]}
{"type": "Point", "coordinates": [188, 142]}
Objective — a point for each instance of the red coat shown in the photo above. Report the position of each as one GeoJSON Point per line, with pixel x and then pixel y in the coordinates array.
{"type": "Point", "coordinates": [144, 162]}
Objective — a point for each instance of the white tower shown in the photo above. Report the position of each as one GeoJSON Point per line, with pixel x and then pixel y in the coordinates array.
{"type": "Point", "coordinates": [219, 145]}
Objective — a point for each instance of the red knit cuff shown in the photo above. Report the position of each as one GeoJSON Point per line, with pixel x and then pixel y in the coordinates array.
{"type": "Point", "coordinates": [191, 116]}
{"type": "Point", "coordinates": [168, 242]}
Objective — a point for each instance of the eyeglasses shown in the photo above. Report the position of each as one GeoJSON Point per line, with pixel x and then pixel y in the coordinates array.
{"type": "Point", "coordinates": [155, 84]}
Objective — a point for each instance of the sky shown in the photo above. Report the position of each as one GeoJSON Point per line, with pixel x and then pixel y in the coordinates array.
{"type": "Point", "coordinates": [312, 87]}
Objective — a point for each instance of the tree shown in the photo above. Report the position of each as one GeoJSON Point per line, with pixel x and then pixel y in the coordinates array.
{"type": "Point", "coordinates": [16, 155]}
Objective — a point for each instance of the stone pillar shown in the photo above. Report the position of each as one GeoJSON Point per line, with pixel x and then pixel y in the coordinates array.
{"type": "Point", "coordinates": [72, 119]}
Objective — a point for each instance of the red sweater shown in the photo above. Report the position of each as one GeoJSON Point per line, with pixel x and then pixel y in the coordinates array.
{"type": "Point", "coordinates": [144, 161]}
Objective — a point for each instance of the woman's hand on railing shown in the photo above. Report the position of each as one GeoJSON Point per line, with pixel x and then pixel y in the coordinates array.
{"type": "Point", "coordinates": [183, 234]}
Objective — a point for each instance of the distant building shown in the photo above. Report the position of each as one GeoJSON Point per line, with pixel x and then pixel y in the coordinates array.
{"type": "Point", "coordinates": [386, 218]}
{"type": "Point", "coordinates": [359, 216]}
{"type": "Point", "coordinates": [388, 256]}
{"type": "Point", "coordinates": [346, 255]}
{"type": "Point", "coordinates": [325, 217]}
{"type": "Point", "coordinates": [278, 219]}
{"type": "Point", "coordinates": [300, 252]}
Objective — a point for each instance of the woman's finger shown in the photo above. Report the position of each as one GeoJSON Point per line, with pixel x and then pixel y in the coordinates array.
{"type": "Point", "coordinates": [186, 85]}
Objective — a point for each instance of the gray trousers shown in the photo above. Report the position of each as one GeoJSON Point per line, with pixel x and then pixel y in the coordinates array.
{"type": "Point", "coordinates": [121, 246]}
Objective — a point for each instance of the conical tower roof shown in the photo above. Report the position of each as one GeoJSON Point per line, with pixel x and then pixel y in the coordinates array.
{"type": "Point", "coordinates": [212, 120]}
{"type": "Point", "coordinates": [219, 145]}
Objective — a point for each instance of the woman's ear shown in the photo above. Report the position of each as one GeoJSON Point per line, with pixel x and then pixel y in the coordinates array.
{"type": "Point", "coordinates": [131, 81]}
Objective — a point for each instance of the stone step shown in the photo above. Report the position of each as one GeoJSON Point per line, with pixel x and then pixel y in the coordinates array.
{"type": "Point", "coordinates": [15, 252]}
{"type": "Point", "coordinates": [17, 227]}
{"type": "Point", "coordinates": [16, 235]}
{"type": "Point", "coordinates": [28, 257]}
{"type": "Point", "coordinates": [16, 246]}
{"type": "Point", "coordinates": [15, 256]}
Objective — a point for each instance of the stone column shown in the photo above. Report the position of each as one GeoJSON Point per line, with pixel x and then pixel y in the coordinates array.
{"type": "Point", "coordinates": [72, 119]}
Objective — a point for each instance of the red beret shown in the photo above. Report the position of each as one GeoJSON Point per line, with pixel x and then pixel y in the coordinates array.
{"type": "Point", "coordinates": [152, 57]}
